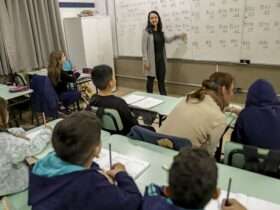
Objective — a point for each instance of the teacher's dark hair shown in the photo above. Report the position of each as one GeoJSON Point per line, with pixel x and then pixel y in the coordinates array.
{"type": "Point", "coordinates": [149, 27]}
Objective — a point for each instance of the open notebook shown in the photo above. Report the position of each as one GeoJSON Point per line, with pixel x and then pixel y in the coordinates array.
{"type": "Point", "coordinates": [134, 167]}
{"type": "Point", "coordinates": [250, 203]}
{"type": "Point", "coordinates": [142, 101]}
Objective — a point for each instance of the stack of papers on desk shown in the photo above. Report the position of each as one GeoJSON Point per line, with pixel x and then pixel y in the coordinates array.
{"type": "Point", "coordinates": [250, 203]}
{"type": "Point", "coordinates": [130, 99]}
{"type": "Point", "coordinates": [133, 166]}
{"type": "Point", "coordinates": [142, 101]}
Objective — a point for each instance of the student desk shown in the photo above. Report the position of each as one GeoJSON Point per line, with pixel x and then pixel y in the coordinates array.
{"type": "Point", "coordinates": [7, 95]}
{"type": "Point", "coordinates": [104, 136]}
{"type": "Point", "coordinates": [14, 99]}
{"type": "Point", "coordinates": [44, 72]}
{"type": "Point", "coordinates": [163, 109]}
{"type": "Point", "coordinates": [248, 183]}
{"type": "Point", "coordinates": [245, 182]}
{"type": "Point", "coordinates": [41, 72]}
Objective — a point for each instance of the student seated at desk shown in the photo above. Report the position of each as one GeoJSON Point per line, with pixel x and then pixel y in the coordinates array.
{"type": "Point", "coordinates": [14, 148]}
{"type": "Point", "coordinates": [60, 79]}
{"type": "Point", "coordinates": [192, 184]}
{"type": "Point", "coordinates": [259, 123]}
{"type": "Point", "coordinates": [102, 77]}
{"type": "Point", "coordinates": [69, 179]}
{"type": "Point", "coordinates": [200, 117]}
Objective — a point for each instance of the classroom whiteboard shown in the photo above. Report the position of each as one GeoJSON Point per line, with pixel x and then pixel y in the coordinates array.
{"type": "Point", "coordinates": [218, 30]}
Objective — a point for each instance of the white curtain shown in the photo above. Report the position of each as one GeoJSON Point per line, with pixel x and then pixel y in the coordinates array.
{"type": "Point", "coordinates": [34, 31]}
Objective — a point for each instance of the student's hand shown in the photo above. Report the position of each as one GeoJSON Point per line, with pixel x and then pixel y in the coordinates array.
{"type": "Point", "coordinates": [233, 205]}
{"type": "Point", "coordinates": [147, 67]}
{"type": "Point", "coordinates": [48, 127]}
{"type": "Point", "coordinates": [116, 168]}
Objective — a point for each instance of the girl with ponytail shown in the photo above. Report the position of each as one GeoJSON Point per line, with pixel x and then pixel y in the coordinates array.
{"type": "Point", "coordinates": [200, 117]}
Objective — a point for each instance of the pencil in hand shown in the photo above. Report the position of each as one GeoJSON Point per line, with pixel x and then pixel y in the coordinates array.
{"type": "Point", "coordinates": [44, 119]}
{"type": "Point", "coordinates": [110, 157]}
{"type": "Point", "coordinates": [228, 192]}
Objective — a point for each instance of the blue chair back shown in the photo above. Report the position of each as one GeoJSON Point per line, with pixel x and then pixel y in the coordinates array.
{"type": "Point", "coordinates": [44, 98]}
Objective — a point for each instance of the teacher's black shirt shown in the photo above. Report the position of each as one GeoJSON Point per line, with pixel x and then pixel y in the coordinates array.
{"type": "Point", "coordinates": [159, 45]}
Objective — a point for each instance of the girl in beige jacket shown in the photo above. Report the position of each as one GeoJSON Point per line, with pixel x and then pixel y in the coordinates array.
{"type": "Point", "coordinates": [200, 117]}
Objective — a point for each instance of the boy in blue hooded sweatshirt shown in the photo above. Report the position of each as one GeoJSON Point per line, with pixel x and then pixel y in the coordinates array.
{"type": "Point", "coordinates": [69, 179]}
{"type": "Point", "coordinates": [192, 184]}
{"type": "Point", "coordinates": [259, 123]}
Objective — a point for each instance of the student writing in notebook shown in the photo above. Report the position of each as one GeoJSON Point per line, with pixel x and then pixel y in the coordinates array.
{"type": "Point", "coordinates": [200, 117]}
{"type": "Point", "coordinates": [259, 123]}
{"type": "Point", "coordinates": [69, 178]}
{"type": "Point", "coordinates": [102, 77]}
{"type": "Point", "coordinates": [14, 148]}
{"type": "Point", "coordinates": [192, 184]}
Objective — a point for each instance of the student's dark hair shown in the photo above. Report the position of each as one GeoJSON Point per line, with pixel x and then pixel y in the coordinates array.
{"type": "Point", "coordinates": [101, 75]}
{"type": "Point", "coordinates": [3, 112]}
{"type": "Point", "coordinates": [149, 26]}
{"type": "Point", "coordinates": [75, 137]}
{"type": "Point", "coordinates": [214, 84]}
{"type": "Point", "coordinates": [193, 178]}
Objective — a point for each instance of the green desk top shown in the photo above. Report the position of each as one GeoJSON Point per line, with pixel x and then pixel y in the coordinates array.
{"type": "Point", "coordinates": [7, 95]}
{"type": "Point", "coordinates": [104, 136]}
{"type": "Point", "coordinates": [168, 104]}
{"type": "Point", "coordinates": [245, 182]}
{"type": "Point", "coordinates": [248, 183]}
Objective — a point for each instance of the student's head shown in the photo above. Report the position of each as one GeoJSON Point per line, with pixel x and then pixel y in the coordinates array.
{"type": "Point", "coordinates": [261, 93]}
{"type": "Point", "coordinates": [220, 86]}
{"type": "Point", "coordinates": [56, 60]}
{"type": "Point", "coordinates": [76, 139]}
{"type": "Point", "coordinates": [102, 77]}
{"type": "Point", "coordinates": [193, 179]}
{"type": "Point", "coordinates": [4, 115]}
{"type": "Point", "coordinates": [154, 20]}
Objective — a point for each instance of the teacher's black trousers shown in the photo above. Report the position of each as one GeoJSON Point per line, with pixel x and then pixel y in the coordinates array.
{"type": "Point", "coordinates": [160, 74]}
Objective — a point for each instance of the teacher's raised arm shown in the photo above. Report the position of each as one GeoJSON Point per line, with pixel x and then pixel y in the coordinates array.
{"type": "Point", "coordinates": [154, 53]}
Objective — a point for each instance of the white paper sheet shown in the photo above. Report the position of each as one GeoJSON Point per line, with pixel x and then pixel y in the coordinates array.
{"type": "Point", "coordinates": [130, 99]}
{"type": "Point", "coordinates": [250, 203]}
{"type": "Point", "coordinates": [133, 166]}
{"type": "Point", "coordinates": [147, 103]}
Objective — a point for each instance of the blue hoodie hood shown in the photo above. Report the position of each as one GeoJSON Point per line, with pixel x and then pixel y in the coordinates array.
{"type": "Point", "coordinates": [52, 165]}
{"type": "Point", "coordinates": [261, 93]}
{"type": "Point", "coordinates": [259, 123]}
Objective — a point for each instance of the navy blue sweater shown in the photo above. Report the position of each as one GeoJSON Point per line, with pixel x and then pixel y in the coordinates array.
{"type": "Point", "coordinates": [155, 199]}
{"type": "Point", "coordinates": [83, 190]}
{"type": "Point", "coordinates": [259, 123]}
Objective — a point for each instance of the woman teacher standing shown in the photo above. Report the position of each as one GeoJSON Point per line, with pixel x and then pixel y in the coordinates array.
{"type": "Point", "coordinates": [154, 54]}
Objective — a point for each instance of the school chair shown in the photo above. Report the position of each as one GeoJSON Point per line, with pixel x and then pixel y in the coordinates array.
{"type": "Point", "coordinates": [44, 98]}
{"type": "Point", "coordinates": [110, 119]}
{"type": "Point", "coordinates": [147, 116]}
{"type": "Point", "coordinates": [149, 136]}
{"type": "Point", "coordinates": [258, 160]}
